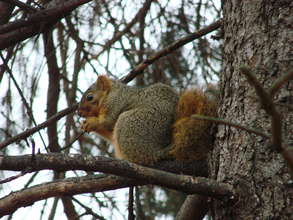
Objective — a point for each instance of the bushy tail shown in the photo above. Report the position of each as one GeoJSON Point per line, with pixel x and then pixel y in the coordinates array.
{"type": "Point", "coordinates": [192, 138]}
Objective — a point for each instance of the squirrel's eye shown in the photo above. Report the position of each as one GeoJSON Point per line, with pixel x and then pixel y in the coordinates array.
{"type": "Point", "coordinates": [89, 97]}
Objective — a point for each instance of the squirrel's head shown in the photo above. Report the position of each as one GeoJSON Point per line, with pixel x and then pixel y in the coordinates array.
{"type": "Point", "coordinates": [92, 100]}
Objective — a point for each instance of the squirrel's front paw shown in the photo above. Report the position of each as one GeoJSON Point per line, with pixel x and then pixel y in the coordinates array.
{"type": "Point", "coordinates": [84, 126]}
{"type": "Point", "coordinates": [87, 126]}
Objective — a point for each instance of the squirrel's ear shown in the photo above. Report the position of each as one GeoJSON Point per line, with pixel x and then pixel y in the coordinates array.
{"type": "Point", "coordinates": [104, 83]}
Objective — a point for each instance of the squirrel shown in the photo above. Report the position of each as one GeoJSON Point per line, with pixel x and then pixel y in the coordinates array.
{"type": "Point", "coordinates": [147, 125]}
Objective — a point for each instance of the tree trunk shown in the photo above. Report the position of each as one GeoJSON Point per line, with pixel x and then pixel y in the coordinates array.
{"type": "Point", "coordinates": [258, 34]}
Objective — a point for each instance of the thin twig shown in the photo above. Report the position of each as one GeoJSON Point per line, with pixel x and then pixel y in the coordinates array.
{"type": "Point", "coordinates": [87, 209]}
{"type": "Point", "coordinates": [25, 103]}
{"type": "Point", "coordinates": [72, 142]}
{"type": "Point", "coordinates": [167, 50]}
{"type": "Point", "coordinates": [280, 82]}
{"type": "Point", "coordinates": [231, 124]}
{"type": "Point", "coordinates": [46, 123]}
{"type": "Point", "coordinates": [6, 180]}
{"type": "Point", "coordinates": [268, 106]}
{"type": "Point", "coordinates": [118, 34]}
{"type": "Point", "coordinates": [33, 149]}
{"type": "Point", "coordinates": [265, 98]}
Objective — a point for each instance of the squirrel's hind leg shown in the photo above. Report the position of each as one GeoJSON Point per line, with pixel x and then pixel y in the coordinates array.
{"type": "Point", "coordinates": [141, 135]}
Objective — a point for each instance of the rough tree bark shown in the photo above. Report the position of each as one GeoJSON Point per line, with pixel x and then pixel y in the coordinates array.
{"type": "Point", "coordinates": [257, 33]}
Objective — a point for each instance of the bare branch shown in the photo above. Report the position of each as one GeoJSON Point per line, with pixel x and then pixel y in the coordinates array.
{"type": "Point", "coordinates": [69, 209]}
{"type": "Point", "coordinates": [231, 124]}
{"type": "Point", "coordinates": [280, 82]}
{"type": "Point", "coordinates": [61, 162]}
{"type": "Point", "coordinates": [167, 50]}
{"type": "Point", "coordinates": [20, 30]}
{"type": "Point", "coordinates": [117, 35]}
{"type": "Point", "coordinates": [194, 207]}
{"type": "Point", "coordinates": [53, 90]}
{"type": "Point", "coordinates": [67, 187]}
{"type": "Point", "coordinates": [98, 183]}
{"type": "Point", "coordinates": [13, 177]}
{"type": "Point", "coordinates": [88, 210]}
{"type": "Point", "coordinates": [269, 107]}
{"type": "Point", "coordinates": [31, 131]}
{"type": "Point", "coordinates": [25, 103]}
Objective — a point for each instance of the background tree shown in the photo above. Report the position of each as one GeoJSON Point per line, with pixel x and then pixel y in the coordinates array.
{"type": "Point", "coordinates": [55, 46]}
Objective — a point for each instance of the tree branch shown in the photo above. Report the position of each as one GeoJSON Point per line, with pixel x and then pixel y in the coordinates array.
{"type": "Point", "coordinates": [62, 162]}
{"type": "Point", "coordinates": [31, 131]}
{"type": "Point", "coordinates": [74, 186]}
{"type": "Point", "coordinates": [29, 110]}
{"type": "Point", "coordinates": [66, 187]}
{"type": "Point", "coordinates": [167, 50]}
{"type": "Point", "coordinates": [53, 90]}
{"type": "Point", "coordinates": [22, 29]}
{"type": "Point", "coordinates": [231, 124]}
{"type": "Point", "coordinates": [14, 177]}
{"type": "Point", "coordinates": [194, 207]}
{"type": "Point", "coordinates": [269, 107]}
{"type": "Point", "coordinates": [280, 82]}
{"type": "Point", "coordinates": [117, 35]}
{"type": "Point", "coordinates": [266, 99]}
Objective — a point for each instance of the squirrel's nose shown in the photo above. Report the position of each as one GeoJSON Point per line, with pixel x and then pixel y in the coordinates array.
{"type": "Point", "coordinates": [83, 112]}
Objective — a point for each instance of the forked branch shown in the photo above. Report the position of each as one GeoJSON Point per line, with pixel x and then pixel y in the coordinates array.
{"type": "Point", "coordinates": [266, 99]}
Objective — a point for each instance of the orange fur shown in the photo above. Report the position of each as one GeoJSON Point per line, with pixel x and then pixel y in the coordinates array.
{"type": "Point", "coordinates": [104, 83]}
{"type": "Point", "coordinates": [191, 138]}
{"type": "Point", "coordinates": [95, 112]}
{"type": "Point", "coordinates": [102, 111]}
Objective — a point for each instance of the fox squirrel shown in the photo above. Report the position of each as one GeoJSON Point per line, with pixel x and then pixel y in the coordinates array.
{"type": "Point", "coordinates": [150, 124]}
